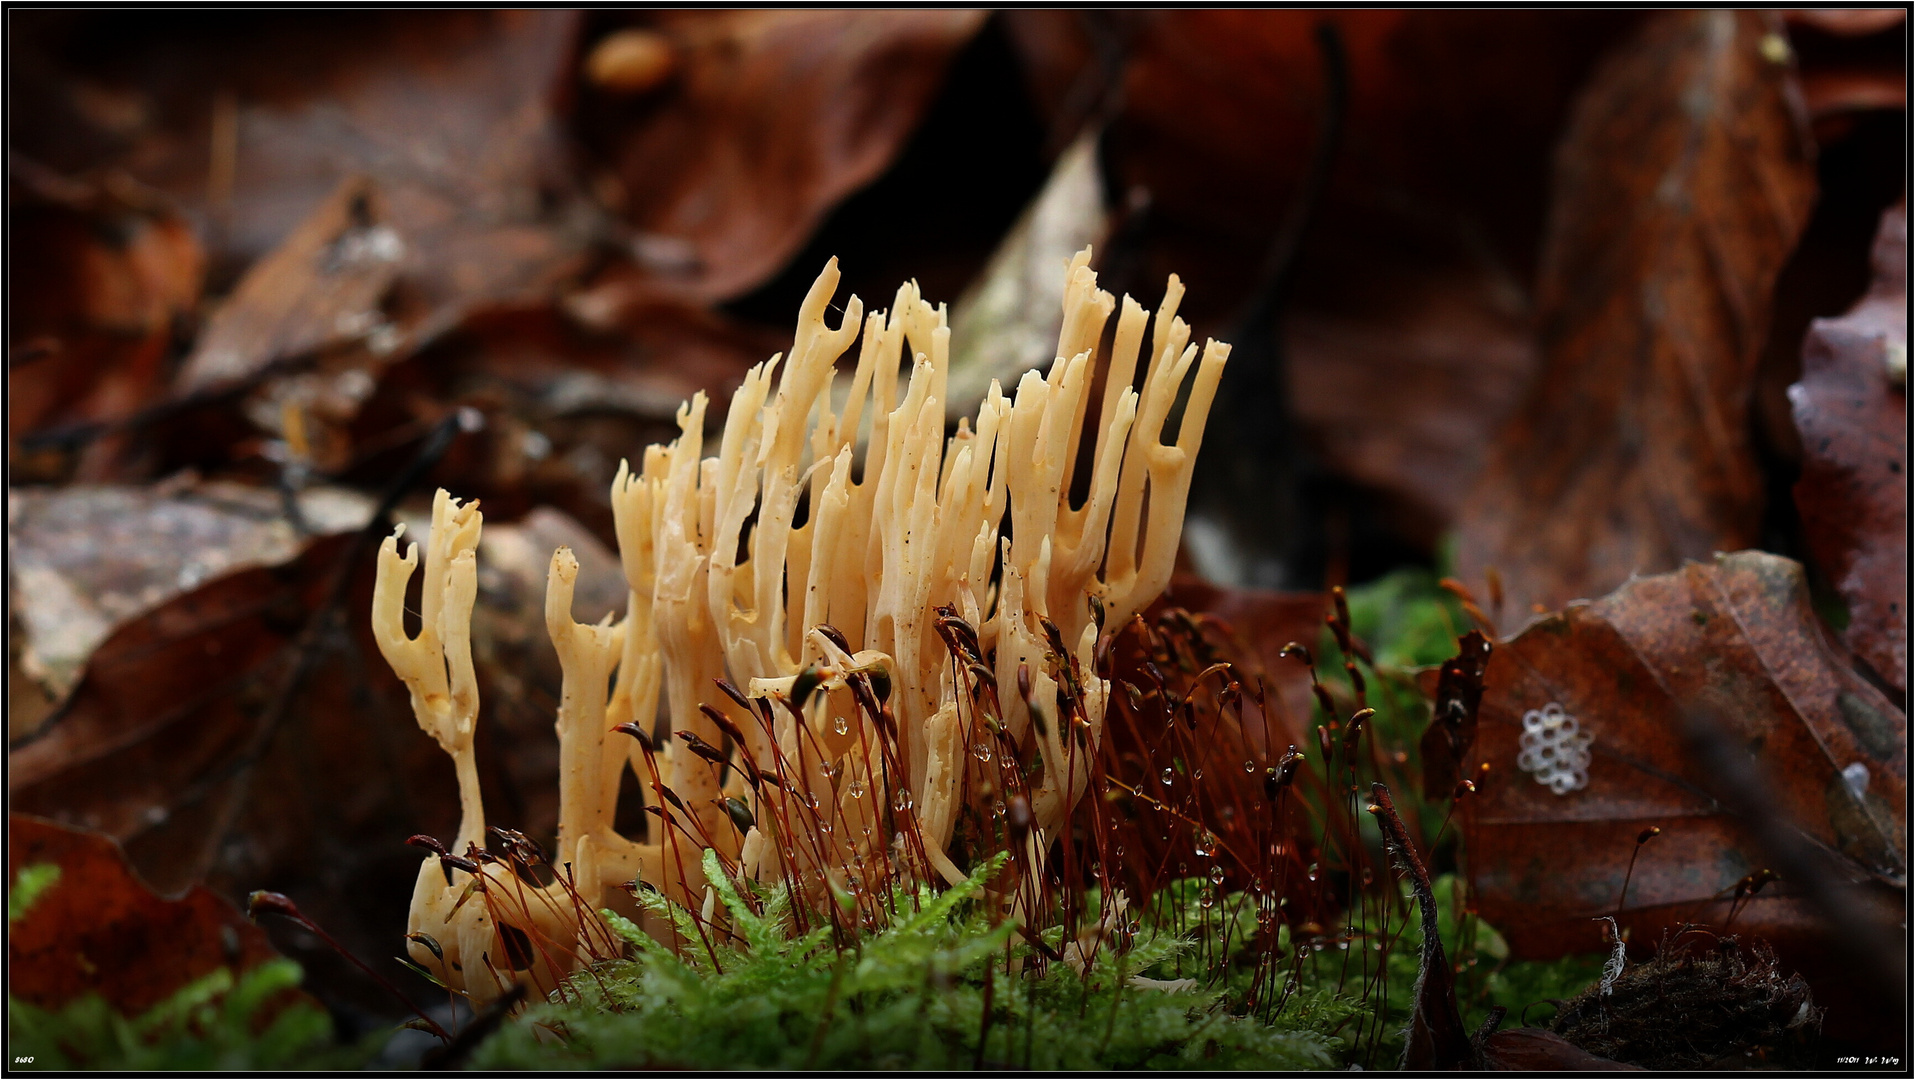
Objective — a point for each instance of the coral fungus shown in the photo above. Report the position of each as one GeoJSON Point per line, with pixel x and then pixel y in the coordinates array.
{"type": "Point", "coordinates": [830, 690]}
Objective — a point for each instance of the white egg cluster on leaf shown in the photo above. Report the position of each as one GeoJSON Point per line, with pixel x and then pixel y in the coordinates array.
{"type": "Point", "coordinates": [1555, 749]}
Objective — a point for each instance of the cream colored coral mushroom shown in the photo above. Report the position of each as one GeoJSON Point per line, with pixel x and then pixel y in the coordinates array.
{"type": "Point", "coordinates": [885, 543]}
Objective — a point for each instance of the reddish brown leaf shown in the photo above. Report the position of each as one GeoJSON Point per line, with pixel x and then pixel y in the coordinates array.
{"type": "Point", "coordinates": [321, 287]}
{"type": "Point", "coordinates": [103, 271]}
{"type": "Point", "coordinates": [566, 390]}
{"type": "Point", "coordinates": [1682, 184]}
{"type": "Point", "coordinates": [143, 750]}
{"type": "Point", "coordinates": [250, 124]}
{"type": "Point", "coordinates": [188, 743]}
{"type": "Point", "coordinates": [1411, 292]}
{"type": "Point", "coordinates": [1852, 413]}
{"type": "Point", "coordinates": [1734, 642]}
{"type": "Point", "coordinates": [772, 119]}
{"type": "Point", "coordinates": [86, 559]}
{"type": "Point", "coordinates": [100, 929]}
{"type": "Point", "coordinates": [1539, 1050]}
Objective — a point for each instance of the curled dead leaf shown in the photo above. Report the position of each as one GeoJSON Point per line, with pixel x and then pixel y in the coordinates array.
{"type": "Point", "coordinates": [824, 100]}
{"type": "Point", "coordinates": [1683, 182]}
{"type": "Point", "coordinates": [1851, 409]}
{"type": "Point", "coordinates": [87, 559]}
{"type": "Point", "coordinates": [100, 929]}
{"type": "Point", "coordinates": [1717, 658]}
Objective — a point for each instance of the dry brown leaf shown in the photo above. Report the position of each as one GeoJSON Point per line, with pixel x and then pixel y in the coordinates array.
{"type": "Point", "coordinates": [566, 391]}
{"type": "Point", "coordinates": [1716, 658]}
{"type": "Point", "coordinates": [1539, 1050]}
{"type": "Point", "coordinates": [1851, 409]}
{"type": "Point", "coordinates": [1682, 185]}
{"type": "Point", "coordinates": [102, 930]}
{"type": "Point", "coordinates": [320, 288]}
{"type": "Point", "coordinates": [189, 742]}
{"type": "Point", "coordinates": [105, 271]}
{"type": "Point", "coordinates": [1411, 292]}
{"type": "Point", "coordinates": [772, 119]}
{"type": "Point", "coordinates": [86, 559]}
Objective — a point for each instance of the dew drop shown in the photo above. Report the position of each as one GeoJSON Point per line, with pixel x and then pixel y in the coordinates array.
{"type": "Point", "coordinates": [856, 788]}
{"type": "Point", "coordinates": [1169, 774]}
{"type": "Point", "coordinates": [1250, 767]}
{"type": "Point", "coordinates": [901, 801]}
{"type": "Point", "coordinates": [982, 752]}
{"type": "Point", "coordinates": [1206, 844]}
{"type": "Point", "coordinates": [840, 725]}
{"type": "Point", "coordinates": [1216, 875]}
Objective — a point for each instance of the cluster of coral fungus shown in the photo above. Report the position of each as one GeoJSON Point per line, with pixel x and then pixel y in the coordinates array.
{"type": "Point", "coordinates": [834, 693]}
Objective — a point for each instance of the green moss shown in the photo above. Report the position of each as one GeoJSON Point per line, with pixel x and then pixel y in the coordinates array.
{"type": "Point", "coordinates": [914, 996]}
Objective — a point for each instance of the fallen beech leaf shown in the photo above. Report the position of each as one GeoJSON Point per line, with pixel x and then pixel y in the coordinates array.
{"type": "Point", "coordinates": [164, 713]}
{"type": "Point", "coordinates": [566, 389]}
{"type": "Point", "coordinates": [1735, 641]}
{"type": "Point", "coordinates": [86, 559]}
{"type": "Point", "coordinates": [104, 271]}
{"type": "Point", "coordinates": [100, 929]}
{"type": "Point", "coordinates": [773, 119]}
{"type": "Point", "coordinates": [1540, 1050]}
{"type": "Point", "coordinates": [191, 741]}
{"type": "Point", "coordinates": [320, 288]}
{"type": "Point", "coordinates": [1852, 413]}
{"type": "Point", "coordinates": [184, 742]}
{"type": "Point", "coordinates": [1410, 291]}
{"type": "Point", "coordinates": [1683, 183]}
